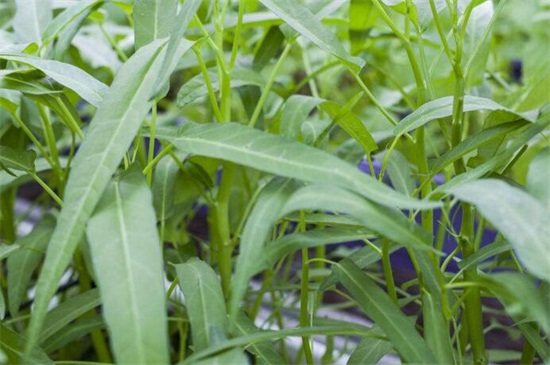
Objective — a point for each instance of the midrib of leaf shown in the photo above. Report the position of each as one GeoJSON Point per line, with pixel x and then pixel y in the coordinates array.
{"type": "Point", "coordinates": [72, 231]}
{"type": "Point", "coordinates": [129, 274]}
{"type": "Point", "coordinates": [386, 196]}
{"type": "Point", "coordinates": [388, 318]}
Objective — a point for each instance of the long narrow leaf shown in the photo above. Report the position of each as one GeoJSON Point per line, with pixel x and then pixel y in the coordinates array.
{"type": "Point", "coordinates": [251, 147]}
{"type": "Point", "coordinates": [89, 88]}
{"type": "Point", "coordinates": [153, 19]}
{"type": "Point", "coordinates": [378, 306]}
{"type": "Point", "coordinates": [301, 19]}
{"type": "Point", "coordinates": [204, 301]}
{"type": "Point", "coordinates": [518, 216]}
{"type": "Point", "coordinates": [127, 260]}
{"type": "Point", "coordinates": [111, 132]}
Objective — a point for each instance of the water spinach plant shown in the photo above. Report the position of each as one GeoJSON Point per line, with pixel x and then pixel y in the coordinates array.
{"type": "Point", "coordinates": [274, 181]}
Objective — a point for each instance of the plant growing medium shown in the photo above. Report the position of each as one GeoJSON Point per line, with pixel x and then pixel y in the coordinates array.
{"type": "Point", "coordinates": [274, 181]}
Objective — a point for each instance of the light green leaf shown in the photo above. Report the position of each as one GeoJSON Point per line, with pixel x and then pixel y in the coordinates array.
{"type": "Point", "coordinates": [369, 351]}
{"type": "Point", "coordinates": [265, 352]}
{"type": "Point", "coordinates": [68, 311]}
{"type": "Point", "coordinates": [443, 107]}
{"type": "Point", "coordinates": [484, 253]}
{"type": "Point", "coordinates": [196, 87]}
{"type": "Point", "coordinates": [7, 250]}
{"type": "Point", "coordinates": [251, 147]}
{"type": "Point", "coordinates": [73, 332]}
{"type": "Point", "coordinates": [233, 356]}
{"type": "Point", "coordinates": [400, 173]}
{"type": "Point", "coordinates": [66, 24]}
{"type": "Point", "coordinates": [436, 329]}
{"type": "Point", "coordinates": [519, 296]}
{"type": "Point", "coordinates": [111, 132]}
{"type": "Point", "coordinates": [176, 46]}
{"type": "Point", "coordinates": [21, 265]}
{"type": "Point", "coordinates": [17, 159]}
{"type": "Point", "coordinates": [380, 308]}
{"type": "Point", "coordinates": [153, 19]}
{"type": "Point", "coordinates": [127, 259]}
{"type": "Point", "coordinates": [295, 111]}
{"type": "Point", "coordinates": [31, 18]}
{"type": "Point", "coordinates": [521, 219]}
{"type": "Point", "coordinates": [265, 213]}
{"type": "Point", "coordinates": [473, 142]}
{"type": "Point", "coordinates": [12, 344]}
{"type": "Point", "coordinates": [301, 19]}
{"type": "Point", "coordinates": [164, 187]}
{"type": "Point", "coordinates": [204, 301]}
{"type": "Point", "coordinates": [89, 88]}
{"type": "Point", "coordinates": [538, 177]}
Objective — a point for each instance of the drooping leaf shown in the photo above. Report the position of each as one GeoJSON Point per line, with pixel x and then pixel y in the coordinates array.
{"type": "Point", "coordinates": [521, 219]}
{"type": "Point", "coordinates": [153, 19]}
{"type": "Point", "coordinates": [301, 19]}
{"type": "Point", "coordinates": [519, 296]}
{"type": "Point", "coordinates": [17, 159]}
{"type": "Point", "coordinates": [443, 107]}
{"type": "Point", "coordinates": [484, 253]}
{"type": "Point", "coordinates": [12, 344]}
{"type": "Point", "coordinates": [251, 147]}
{"type": "Point", "coordinates": [96, 160]}
{"type": "Point", "coordinates": [400, 173]}
{"type": "Point", "coordinates": [204, 301]}
{"type": "Point", "coordinates": [378, 306]}
{"type": "Point", "coordinates": [89, 88]}
{"type": "Point", "coordinates": [68, 311]}
{"type": "Point", "coordinates": [163, 188]}
{"type": "Point", "coordinates": [21, 265]}
{"type": "Point", "coordinates": [369, 351]}
{"type": "Point", "coordinates": [265, 352]}
{"type": "Point", "coordinates": [63, 28]}
{"type": "Point", "coordinates": [127, 259]}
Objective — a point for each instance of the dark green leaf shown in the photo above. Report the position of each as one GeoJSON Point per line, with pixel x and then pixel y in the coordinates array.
{"type": "Point", "coordinates": [17, 159]}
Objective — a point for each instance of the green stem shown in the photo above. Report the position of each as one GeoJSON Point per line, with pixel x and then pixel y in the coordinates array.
{"type": "Point", "coordinates": [223, 244]}
{"type": "Point", "coordinates": [47, 188]}
{"type": "Point", "coordinates": [388, 273]}
{"type": "Point", "coordinates": [269, 84]}
{"type": "Point", "coordinates": [151, 147]}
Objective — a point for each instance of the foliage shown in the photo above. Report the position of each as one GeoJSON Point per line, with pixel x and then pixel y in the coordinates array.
{"type": "Point", "coordinates": [206, 180]}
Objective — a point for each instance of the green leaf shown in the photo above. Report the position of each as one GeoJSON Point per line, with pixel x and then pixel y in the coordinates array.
{"type": "Point", "coordinates": [164, 187]}
{"type": "Point", "coordinates": [348, 121]}
{"type": "Point", "coordinates": [68, 311]}
{"type": "Point", "coordinates": [153, 19]}
{"type": "Point", "coordinates": [499, 160]}
{"type": "Point", "coordinates": [12, 344]}
{"type": "Point", "coordinates": [204, 301]}
{"type": "Point", "coordinates": [436, 329]}
{"type": "Point", "coordinates": [17, 159]}
{"type": "Point", "coordinates": [233, 356]}
{"type": "Point", "coordinates": [196, 87]}
{"type": "Point", "coordinates": [400, 173]}
{"type": "Point", "coordinates": [443, 107]}
{"type": "Point", "coordinates": [369, 351]}
{"type": "Point", "coordinates": [7, 250]}
{"type": "Point", "coordinates": [538, 177]}
{"type": "Point", "coordinates": [380, 308]}
{"type": "Point", "coordinates": [127, 261]}
{"type": "Point", "coordinates": [295, 111]}
{"type": "Point", "coordinates": [31, 18]}
{"type": "Point", "coordinates": [519, 296]}
{"type": "Point", "coordinates": [521, 219]}
{"type": "Point", "coordinates": [271, 45]}
{"type": "Point", "coordinates": [21, 264]}
{"type": "Point", "coordinates": [301, 19]}
{"type": "Point", "coordinates": [111, 132]}
{"type": "Point", "coordinates": [66, 18]}
{"type": "Point", "coordinates": [362, 18]}
{"type": "Point", "coordinates": [176, 46]}
{"type": "Point", "coordinates": [89, 88]}
{"type": "Point", "coordinates": [73, 332]}
{"type": "Point", "coordinates": [265, 213]}
{"type": "Point", "coordinates": [251, 147]}
{"type": "Point", "coordinates": [265, 352]}
{"type": "Point", "coordinates": [388, 222]}
{"type": "Point", "coordinates": [484, 253]}
{"type": "Point", "coordinates": [473, 142]}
